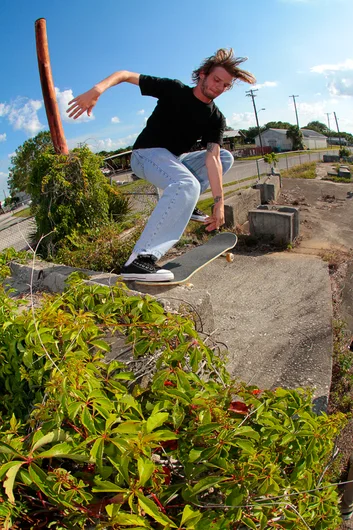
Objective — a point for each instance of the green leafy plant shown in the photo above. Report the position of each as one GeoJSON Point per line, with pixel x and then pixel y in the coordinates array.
{"type": "Point", "coordinates": [271, 159]}
{"type": "Point", "coordinates": [159, 437]}
{"type": "Point", "coordinates": [344, 152]}
{"type": "Point", "coordinates": [70, 193]}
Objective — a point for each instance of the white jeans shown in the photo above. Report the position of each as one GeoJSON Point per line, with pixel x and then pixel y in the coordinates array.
{"type": "Point", "coordinates": [182, 179]}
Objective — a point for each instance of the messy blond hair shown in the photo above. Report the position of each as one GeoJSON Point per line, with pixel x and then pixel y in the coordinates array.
{"type": "Point", "coordinates": [225, 58]}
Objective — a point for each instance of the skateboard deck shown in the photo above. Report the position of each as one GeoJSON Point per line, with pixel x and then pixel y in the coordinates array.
{"type": "Point", "coordinates": [185, 266]}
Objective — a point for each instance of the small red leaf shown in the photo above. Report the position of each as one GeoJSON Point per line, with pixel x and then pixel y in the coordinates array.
{"type": "Point", "coordinates": [239, 407]}
{"type": "Point", "coordinates": [167, 473]}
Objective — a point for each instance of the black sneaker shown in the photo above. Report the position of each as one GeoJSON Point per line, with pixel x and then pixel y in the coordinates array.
{"type": "Point", "coordinates": [143, 268]}
{"type": "Point", "coordinates": [199, 216]}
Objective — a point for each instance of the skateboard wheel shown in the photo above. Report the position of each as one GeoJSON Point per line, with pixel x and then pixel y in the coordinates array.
{"type": "Point", "coordinates": [189, 285]}
{"type": "Point", "coordinates": [230, 257]}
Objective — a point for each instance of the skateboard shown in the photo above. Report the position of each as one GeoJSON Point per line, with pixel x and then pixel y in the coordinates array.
{"type": "Point", "coordinates": [186, 265]}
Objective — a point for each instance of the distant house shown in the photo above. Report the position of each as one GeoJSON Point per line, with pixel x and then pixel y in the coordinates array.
{"type": "Point", "coordinates": [313, 139]}
{"type": "Point", "coordinates": [232, 138]}
{"type": "Point", "coordinates": [277, 139]}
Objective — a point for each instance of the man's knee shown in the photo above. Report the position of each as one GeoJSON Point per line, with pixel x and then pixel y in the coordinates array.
{"type": "Point", "coordinates": [190, 186]}
{"type": "Point", "coordinates": [227, 160]}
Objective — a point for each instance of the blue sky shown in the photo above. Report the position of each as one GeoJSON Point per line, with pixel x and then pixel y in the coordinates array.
{"type": "Point", "coordinates": [301, 47]}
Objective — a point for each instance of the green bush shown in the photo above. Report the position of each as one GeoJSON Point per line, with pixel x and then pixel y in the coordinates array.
{"type": "Point", "coordinates": [70, 193]}
{"type": "Point", "coordinates": [85, 442]}
{"type": "Point", "coordinates": [100, 249]}
{"type": "Point", "coordinates": [344, 152]}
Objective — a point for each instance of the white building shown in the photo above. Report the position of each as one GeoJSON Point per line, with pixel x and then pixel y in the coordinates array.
{"type": "Point", "coordinates": [277, 139]}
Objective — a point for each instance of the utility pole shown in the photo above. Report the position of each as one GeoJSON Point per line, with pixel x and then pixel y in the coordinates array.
{"type": "Point", "coordinates": [339, 134]}
{"type": "Point", "coordinates": [47, 83]}
{"type": "Point", "coordinates": [250, 93]}
{"type": "Point", "coordinates": [329, 128]}
{"type": "Point", "coordinates": [328, 119]}
{"type": "Point", "coordinates": [295, 108]}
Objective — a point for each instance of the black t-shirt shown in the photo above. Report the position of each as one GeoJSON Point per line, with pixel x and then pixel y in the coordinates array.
{"type": "Point", "coordinates": [179, 119]}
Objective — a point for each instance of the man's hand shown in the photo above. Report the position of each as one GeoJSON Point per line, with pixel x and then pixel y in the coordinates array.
{"type": "Point", "coordinates": [217, 218]}
{"type": "Point", "coordinates": [84, 102]}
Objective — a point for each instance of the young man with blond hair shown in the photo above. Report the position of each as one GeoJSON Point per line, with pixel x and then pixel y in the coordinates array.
{"type": "Point", "coordinates": [161, 154]}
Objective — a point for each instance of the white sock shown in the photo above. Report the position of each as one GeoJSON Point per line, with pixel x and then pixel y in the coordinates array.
{"type": "Point", "coordinates": [131, 259]}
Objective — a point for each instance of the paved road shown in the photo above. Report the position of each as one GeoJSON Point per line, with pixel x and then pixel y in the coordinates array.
{"type": "Point", "coordinates": [244, 169]}
{"type": "Point", "coordinates": [17, 235]}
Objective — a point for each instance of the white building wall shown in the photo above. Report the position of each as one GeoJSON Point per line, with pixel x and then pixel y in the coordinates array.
{"type": "Point", "coordinates": [274, 140]}
{"type": "Point", "coordinates": [315, 143]}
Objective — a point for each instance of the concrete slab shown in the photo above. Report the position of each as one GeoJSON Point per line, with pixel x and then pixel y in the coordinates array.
{"type": "Point", "coordinates": [274, 312]}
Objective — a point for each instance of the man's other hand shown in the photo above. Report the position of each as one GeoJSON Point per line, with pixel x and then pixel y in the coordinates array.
{"type": "Point", "coordinates": [84, 102]}
{"type": "Point", "coordinates": [216, 220]}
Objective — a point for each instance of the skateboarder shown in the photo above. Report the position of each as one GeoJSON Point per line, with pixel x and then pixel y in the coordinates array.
{"type": "Point", "coordinates": [161, 154]}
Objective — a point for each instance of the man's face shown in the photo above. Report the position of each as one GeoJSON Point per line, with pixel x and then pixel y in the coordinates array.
{"type": "Point", "coordinates": [215, 83]}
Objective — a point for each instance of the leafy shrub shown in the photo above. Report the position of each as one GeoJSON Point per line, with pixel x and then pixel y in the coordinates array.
{"type": "Point", "coordinates": [271, 158]}
{"type": "Point", "coordinates": [84, 442]}
{"type": "Point", "coordinates": [101, 249]}
{"type": "Point", "coordinates": [70, 193]}
{"type": "Point", "coordinates": [344, 152]}
{"type": "Point", "coordinates": [8, 255]}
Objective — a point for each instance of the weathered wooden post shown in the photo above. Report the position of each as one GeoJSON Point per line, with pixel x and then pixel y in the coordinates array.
{"type": "Point", "coordinates": [46, 79]}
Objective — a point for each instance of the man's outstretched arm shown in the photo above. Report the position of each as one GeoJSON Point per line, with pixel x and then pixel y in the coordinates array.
{"type": "Point", "coordinates": [87, 100]}
{"type": "Point", "coordinates": [215, 177]}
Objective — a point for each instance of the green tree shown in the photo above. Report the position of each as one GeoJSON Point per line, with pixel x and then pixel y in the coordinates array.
{"type": "Point", "coordinates": [295, 134]}
{"type": "Point", "coordinates": [278, 125]}
{"type": "Point", "coordinates": [251, 133]}
{"type": "Point", "coordinates": [24, 158]}
{"type": "Point", "coordinates": [318, 127]}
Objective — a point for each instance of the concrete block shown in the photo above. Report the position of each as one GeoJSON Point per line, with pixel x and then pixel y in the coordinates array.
{"type": "Point", "coordinates": [344, 172]}
{"type": "Point", "coordinates": [237, 206]}
{"type": "Point", "coordinates": [271, 223]}
{"type": "Point", "coordinates": [296, 220]}
{"type": "Point", "coordinates": [331, 158]}
{"type": "Point", "coordinates": [269, 189]}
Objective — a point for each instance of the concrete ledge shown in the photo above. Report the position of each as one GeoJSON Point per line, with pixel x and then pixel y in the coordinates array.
{"type": "Point", "coordinates": [269, 189]}
{"type": "Point", "coordinates": [272, 224]}
{"type": "Point", "coordinates": [186, 300]}
{"type": "Point", "coordinates": [237, 206]}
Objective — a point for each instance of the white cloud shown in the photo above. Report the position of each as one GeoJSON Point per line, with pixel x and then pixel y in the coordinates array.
{"type": "Point", "coordinates": [339, 77]}
{"type": "Point", "coordinates": [4, 109]}
{"type": "Point", "coordinates": [141, 112]}
{"type": "Point", "coordinates": [241, 120]}
{"type": "Point", "coordinates": [266, 84]}
{"type": "Point", "coordinates": [3, 137]}
{"type": "Point", "coordinates": [104, 144]}
{"type": "Point", "coordinates": [2, 174]}
{"type": "Point", "coordinates": [115, 119]}
{"type": "Point", "coordinates": [347, 65]}
{"type": "Point", "coordinates": [63, 99]}
{"type": "Point", "coordinates": [11, 154]}
{"type": "Point", "coordinates": [22, 114]}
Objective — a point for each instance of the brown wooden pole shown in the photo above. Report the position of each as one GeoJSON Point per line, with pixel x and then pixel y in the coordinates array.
{"type": "Point", "coordinates": [46, 79]}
